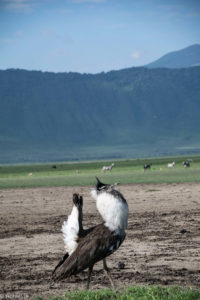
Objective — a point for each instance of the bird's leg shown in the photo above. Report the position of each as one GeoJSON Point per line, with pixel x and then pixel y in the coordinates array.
{"type": "Point", "coordinates": [108, 273]}
{"type": "Point", "coordinates": [89, 277]}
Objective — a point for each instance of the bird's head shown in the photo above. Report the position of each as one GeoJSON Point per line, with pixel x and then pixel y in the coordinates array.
{"type": "Point", "coordinates": [100, 186]}
{"type": "Point", "coordinates": [78, 200]}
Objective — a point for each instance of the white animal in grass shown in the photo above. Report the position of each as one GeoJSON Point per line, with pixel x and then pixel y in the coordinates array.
{"type": "Point", "coordinates": [108, 168]}
{"type": "Point", "coordinates": [171, 165]}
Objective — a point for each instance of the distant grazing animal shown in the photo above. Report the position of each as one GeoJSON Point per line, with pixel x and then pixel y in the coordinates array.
{"type": "Point", "coordinates": [190, 159]}
{"type": "Point", "coordinates": [171, 165]}
{"type": "Point", "coordinates": [86, 247]}
{"type": "Point", "coordinates": [186, 164]}
{"type": "Point", "coordinates": [108, 168]}
{"type": "Point", "coordinates": [54, 167]}
{"type": "Point", "coordinates": [147, 166]}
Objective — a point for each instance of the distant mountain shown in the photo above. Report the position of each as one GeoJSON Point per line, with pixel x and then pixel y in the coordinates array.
{"type": "Point", "coordinates": [187, 57]}
{"type": "Point", "coordinates": [69, 116]}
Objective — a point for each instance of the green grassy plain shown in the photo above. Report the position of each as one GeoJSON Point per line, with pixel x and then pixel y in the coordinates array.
{"type": "Point", "coordinates": [124, 172]}
{"type": "Point", "coordinates": [133, 293]}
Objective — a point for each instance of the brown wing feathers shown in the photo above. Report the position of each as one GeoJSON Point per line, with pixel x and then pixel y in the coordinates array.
{"type": "Point", "coordinates": [95, 246]}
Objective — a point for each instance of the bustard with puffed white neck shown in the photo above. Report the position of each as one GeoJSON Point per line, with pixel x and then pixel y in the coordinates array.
{"type": "Point", "coordinates": [86, 247]}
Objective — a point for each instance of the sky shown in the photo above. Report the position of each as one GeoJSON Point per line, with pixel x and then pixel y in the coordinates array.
{"type": "Point", "coordinates": [93, 36]}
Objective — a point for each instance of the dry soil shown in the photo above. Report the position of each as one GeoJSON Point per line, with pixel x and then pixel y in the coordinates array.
{"type": "Point", "coordinates": [162, 245]}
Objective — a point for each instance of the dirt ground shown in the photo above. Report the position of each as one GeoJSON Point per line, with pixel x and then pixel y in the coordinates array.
{"type": "Point", "coordinates": [162, 246]}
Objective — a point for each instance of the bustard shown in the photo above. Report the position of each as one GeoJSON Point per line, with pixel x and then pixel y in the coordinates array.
{"type": "Point", "coordinates": [86, 247]}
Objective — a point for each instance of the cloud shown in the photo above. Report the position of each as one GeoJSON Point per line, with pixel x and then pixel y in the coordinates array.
{"type": "Point", "coordinates": [192, 15]}
{"type": "Point", "coordinates": [116, 26]}
{"type": "Point", "coordinates": [49, 33]}
{"type": "Point", "coordinates": [60, 52]}
{"type": "Point", "coordinates": [171, 7]}
{"type": "Point", "coordinates": [17, 36]}
{"type": "Point", "coordinates": [88, 1]}
{"type": "Point", "coordinates": [22, 6]}
{"type": "Point", "coordinates": [135, 54]}
{"type": "Point", "coordinates": [181, 11]}
{"type": "Point", "coordinates": [20, 33]}
{"type": "Point", "coordinates": [6, 41]}
{"type": "Point", "coordinates": [64, 11]}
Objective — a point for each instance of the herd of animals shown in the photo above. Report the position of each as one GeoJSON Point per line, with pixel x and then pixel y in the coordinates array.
{"type": "Point", "coordinates": [186, 164]}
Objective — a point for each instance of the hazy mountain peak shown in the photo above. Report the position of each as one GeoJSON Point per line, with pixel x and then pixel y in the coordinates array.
{"type": "Point", "coordinates": [187, 57]}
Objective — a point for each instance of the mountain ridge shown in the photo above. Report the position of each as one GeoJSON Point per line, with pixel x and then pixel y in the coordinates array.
{"type": "Point", "coordinates": [131, 112]}
{"type": "Point", "coordinates": [184, 58]}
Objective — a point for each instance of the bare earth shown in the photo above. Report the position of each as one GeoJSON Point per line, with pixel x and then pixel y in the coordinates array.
{"type": "Point", "coordinates": [162, 246]}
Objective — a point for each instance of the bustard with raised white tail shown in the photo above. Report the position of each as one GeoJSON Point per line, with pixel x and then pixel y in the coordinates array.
{"type": "Point", "coordinates": [86, 247]}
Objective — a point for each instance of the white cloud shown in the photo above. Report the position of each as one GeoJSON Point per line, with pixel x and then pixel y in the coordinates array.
{"type": "Point", "coordinates": [60, 52]}
{"type": "Point", "coordinates": [88, 1]}
{"type": "Point", "coordinates": [174, 11]}
{"type": "Point", "coordinates": [64, 11]}
{"type": "Point", "coordinates": [6, 41]}
{"type": "Point", "coordinates": [48, 32]}
{"type": "Point", "coordinates": [170, 7]}
{"type": "Point", "coordinates": [20, 33]}
{"type": "Point", "coordinates": [192, 15]}
{"type": "Point", "coordinates": [135, 54]}
{"type": "Point", "coordinates": [117, 26]}
{"type": "Point", "coordinates": [24, 6]}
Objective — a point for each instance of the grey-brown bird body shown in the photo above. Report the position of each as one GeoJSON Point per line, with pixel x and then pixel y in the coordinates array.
{"type": "Point", "coordinates": [95, 246]}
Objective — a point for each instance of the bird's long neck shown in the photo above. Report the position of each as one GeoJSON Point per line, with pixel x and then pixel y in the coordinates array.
{"type": "Point", "coordinates": [113, 210]}
{"type": "Point", "coordinates": [80, 219]}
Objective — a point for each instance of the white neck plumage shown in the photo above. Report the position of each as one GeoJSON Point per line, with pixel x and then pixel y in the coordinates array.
{"type": "Point", "coordinates": [113, 210]}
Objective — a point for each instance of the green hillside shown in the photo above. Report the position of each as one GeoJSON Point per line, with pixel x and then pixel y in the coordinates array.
{"type": "Point", "coordinates": [69, 116]}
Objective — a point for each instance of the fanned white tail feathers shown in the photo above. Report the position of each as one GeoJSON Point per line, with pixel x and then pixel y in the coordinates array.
{"type": "Point", "coordinates": [70, 230]}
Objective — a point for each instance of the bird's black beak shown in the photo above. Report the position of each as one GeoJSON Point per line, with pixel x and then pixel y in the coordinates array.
{"type": "Point", "coordinates": [98, 181]}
